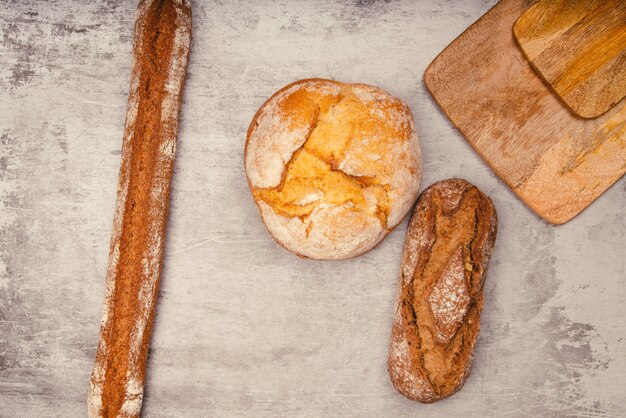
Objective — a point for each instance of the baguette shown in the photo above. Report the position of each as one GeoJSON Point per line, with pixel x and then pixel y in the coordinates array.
{"type": "Point", "coordinates": [448, 245]}
{"type": "Point", "coordinates": [160, 50]}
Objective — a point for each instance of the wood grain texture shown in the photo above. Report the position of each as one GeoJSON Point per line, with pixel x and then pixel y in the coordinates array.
{"type": "Point", "coordinates": [579, 48]}
{"type": "Point", "coordinates": [556, 162]}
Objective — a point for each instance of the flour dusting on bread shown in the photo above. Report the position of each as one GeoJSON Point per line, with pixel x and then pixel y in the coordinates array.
{"type": "Point", "coordinates": [448, 245]}
{"type": "Point", "coordinates": [333, 167]}
{"type": "Point", "coordinates": [450, 298]}
{"type": "Point", "coordinates": [160, 49]}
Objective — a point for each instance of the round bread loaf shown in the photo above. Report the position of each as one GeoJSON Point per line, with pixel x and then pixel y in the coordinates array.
{"type": "Point", "coordinates": [333, 167]}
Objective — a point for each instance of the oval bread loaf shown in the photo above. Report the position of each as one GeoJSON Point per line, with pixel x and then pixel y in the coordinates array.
{"type": "Point", "coordinates": [333, 167]}
{"type": "Point", "coordinates": [448, 245]}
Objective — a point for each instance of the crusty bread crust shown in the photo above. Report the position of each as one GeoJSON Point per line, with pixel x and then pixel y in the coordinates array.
{"type": "Point", "coordinates": [448, 245]}
{"type": "Point", "coordinates": [382, 153]}
{"type": "Point", "coordinates": [160, 49]}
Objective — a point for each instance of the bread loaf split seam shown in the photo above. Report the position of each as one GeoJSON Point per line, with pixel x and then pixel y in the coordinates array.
{"type": "Point", "coordinates": [448, 244]}
{"type": "Point", "coordinates": [161, 43]}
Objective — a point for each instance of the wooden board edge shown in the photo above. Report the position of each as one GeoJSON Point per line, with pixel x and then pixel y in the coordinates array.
{"type": "Point", "coordinates": [542, 212]}
{"type": "Point", "coordinates": [574, 111]}
{"type": "Point", "coordinates": [539, 211]}
{"type": "Point", "coordinates": [429, 68]}
{"type": "Point", "coordinates": [569, 217]}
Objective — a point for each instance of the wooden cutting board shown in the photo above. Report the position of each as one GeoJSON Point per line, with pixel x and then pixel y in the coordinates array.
{"type": "Point", "coordinates": [553, 160]}
{"type": "Point", "coordinates": [579, 48]}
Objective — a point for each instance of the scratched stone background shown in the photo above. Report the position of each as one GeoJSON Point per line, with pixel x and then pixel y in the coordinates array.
{"type": "Point", "coordinates": [243, 327]}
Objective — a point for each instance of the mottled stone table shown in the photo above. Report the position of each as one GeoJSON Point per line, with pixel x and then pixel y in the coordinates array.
{"type": "Point", "coordinates": [243, 327]}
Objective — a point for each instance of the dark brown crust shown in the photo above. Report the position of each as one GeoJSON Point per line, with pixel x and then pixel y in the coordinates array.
{"type": "Point", "coordinates": [155, 97]}
{"type": "Point", "coordinates": [450, 237]}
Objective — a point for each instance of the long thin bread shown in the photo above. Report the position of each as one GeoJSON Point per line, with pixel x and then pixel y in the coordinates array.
{"type": "Point", "coordinates": [161, 46]}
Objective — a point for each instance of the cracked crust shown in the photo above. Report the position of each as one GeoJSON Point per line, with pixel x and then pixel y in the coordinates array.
{"type": "Point", "coordinates": [333, 167]}
{"type": "Point", "coordinates": [448, 245]}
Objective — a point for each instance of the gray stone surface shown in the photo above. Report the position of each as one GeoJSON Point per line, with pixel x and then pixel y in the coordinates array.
{"type": "Point", "coordinates": [243, 327]}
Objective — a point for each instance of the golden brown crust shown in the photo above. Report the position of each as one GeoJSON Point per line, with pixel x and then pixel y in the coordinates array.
{"type": "Point", "coordinates": [160, 50]}
{"type": "Point", "coordinates": [333, 167]}
{"type": "Point", "coordinates": [448, 245]}
{"type": "Point", "coordinates": [253, 123]}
